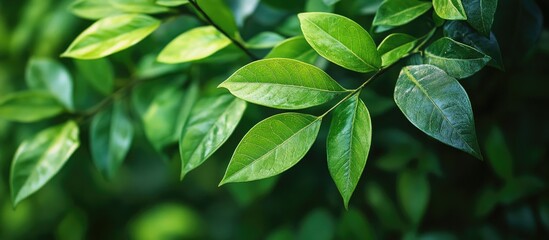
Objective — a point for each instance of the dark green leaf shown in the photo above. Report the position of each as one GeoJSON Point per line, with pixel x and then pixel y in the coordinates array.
{"type": "Point", "coordinates": [39, 158]}
{"type": "Point", "coordinates": [394, 46]}
{"type": "Point", "coordinates": [283, 83]}
{"type": "Point", "coordinates": [498, 154]}
{"type": "Point", "coordinates": [520, 187]}
{"type": "Point", "coordinates": [461, 32]}
{"type": "Point", "coordinates": [486, 202]}
{"type": "Point", "coordinates": [195, 44]}
{"type": "Point", "coordinates": [29, 106]}
{"type": "Point", "coordinates": [111, 134]}
{"type": "Point", "coordinates": [318, 225]}
{"type": "Point", "coordinates": [480, 14]}
{"type": "Point", "coordinates": [455, 58]}
{"type": "Point", "coordinates": [449, 9]}
{"type": "Point", "coordinates": [383, 207]}
{"type": "Point", "coordinates": [348, 144]}
{"type": "Point", "coordinates": [49, 75]}
{"type": "Point", "coordinates": [211, 123]}
{"type": "Point", "coordinates": [160, 117]}
{"type": "Point", "coordinates": [438, 105]}
{"type": "Point", "coordinates": [295, 48]}
{"type": "Point", "coordinates": [413, 192]}
{"type": "Point", "coordinates": [399, 12]}
{"type": "Point", "coordinates": [264, 40]}
{"type": "Point", "coordinates": [110, 35]}
{"type": "Point", "coordinates": [341, 41]}
{"type": "Point", "coordinates": [99, 73]}
{"type": "Point", "coordinates": [354, 225]}
{"type": "Point", "coordinates": [272, 146]}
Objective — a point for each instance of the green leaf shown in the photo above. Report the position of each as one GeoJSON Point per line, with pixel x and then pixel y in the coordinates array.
{"type": "Point", "coordinates": [317, 6]}
{"type": "Point", "coordinates": [29, 106]}
{"type": "Point", "coordinates": [498, 154]}
{"type": "Point", "coordinates": [49, 75]}
{"type": "Point", "coordinates": [264, 40]}
{"type": "Point", "coordinates": [341, 41]}
{"type": "Point", "coordinates": [272, 146]}
{"type": "Point", "coordinates": [383, 207]}
{"type": "Point", "coordinates": [318, 224]}
{"type": "Point", "coordinates": [195, 44]}
{"type": "Point", "coordinates": [110, 35]}
{"type": "Point", "coordinates": [330, 2]}
{"type": "Point", "coordinates": [93, 9]}
{"type": "Point", "coordinates": [413, 192]}
{"type": "Point", "coordinates": [221, 15]}
{"type": "Point", "coordinates": [348, 144]}
{"type": "Point", "coordinates": [283, 83]}
{"type": "Point", "coordinates": [160, 117]}
{"type": "Point", "coordinates": [438, 105]}
{"type": "Point", "coordinates": [455, 58]}
{"type": "Point", "coordinates": [139, 6]}
{"type": "Point", "coordinates": [461, 32]}
{"type": "Point", "coordinates": [394, 46]}
{"type": "Point", "coordinates": [99, 73]}
{"type": "Point", "coordinates": [171, 3]}
{"type": "Point", "coordinates": [211, 123]}
{"type": "Point", "coordinates": [480, 14]}
{"type": "Point", "coordinates": [449, 9]}
{"type": "Point", "coordinates": [39, 158]}
{"type": "Point", "coordinates": [295, 48]}
{"type": "Point", "coordinates": [111, 134]}
{"type": "Point", "coordinates": [399, 12]}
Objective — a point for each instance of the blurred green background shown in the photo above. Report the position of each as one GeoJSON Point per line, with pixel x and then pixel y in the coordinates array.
{"type": "Point", "coordinates": [413, 187]}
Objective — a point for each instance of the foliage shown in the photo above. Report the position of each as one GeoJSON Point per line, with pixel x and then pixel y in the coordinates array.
{"type": "Point", "coordinates": [146, 90]}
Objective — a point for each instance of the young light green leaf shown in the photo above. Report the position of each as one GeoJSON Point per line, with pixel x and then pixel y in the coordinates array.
{"type": "Point", "coordinates": [93, 9]}
{"type": "Point", "coordinates": [211, 123]}
{"type": "Point", "coordinates": [295, 48]}
{"type": "Point", "coordinates": [264, 40]}
{"type": "Point", "coordinates": [139, 6]}
{"type": "Point", "coordinates": [498, 154]}
{"type": "Point", "coordinates": [189, 99]}
{"type": "Point", "coordinates": [272, 146]}
{"type": "Point", "coordinates": [110, 35]}
{"type": "Point", "coordinates": [399, 12]}
{"type": "Point", "coordinates": [29, 106]}
{"type": "Point", "coordinates": [111, 134]}
{"type": "Point", "coordinates": [413, 193]}
{"type": "Point", "coordinates": [438, 105]}
{"type": "Point", "coordinates": [39, 158]}
{"type": "Point", "coordinates": [171, 3]}
{"type": "Point", "coordinates": [341, 41]}
{"type": "Point", "coordinates": [221, 15]}
{"type": "Point", "coordinates": [480, 14]}
{"type": "Point", "coordinates": [99, 73]}
{"type": "Point", "coordinates": [457, 59]}
{"type": "Point", "coordinates": [348, 144]}
{"type": "Point", "coordinates": [449, 9]}
{"type": "Point", "coordinates": [283, 83]}
{"type": "Point", "coordinates": [51, 76]}
{"type": "Point", "coordinates": [394, 46]}
{"type": "Point", "coordinates": [461, 32]}
{"type": "Point", "coordinates": [195, 44]}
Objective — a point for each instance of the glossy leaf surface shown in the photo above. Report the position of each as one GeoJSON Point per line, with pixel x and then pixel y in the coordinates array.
{"type": "Point", "coordinates": [93, 9]}
{"type": "Point", "coordinates": [449, 9]}
{"type": "Point", "coordinates": [195, 44]}
{"type": "Point", "coordinates": [348, 144]}
{"type": "Point", "coordinates": [29, 106]}
{"type": "Point", "coordinates": [282, 83]}
{"type": "Point", "coordinates": [272, 146]}
{"type": "Point", "coordinates": [438, 105]}
{"type": "Point", "coordinates": [111, 135]}
{"type": "Point", "coordinates": [139, 6]}
{"type": "Point", "coordinates": [171, 3]}
{"type": "Point", "coordinates": [51, 76]}
{"type": "Point", "coordinates": [399, 12]}
{"type": "Point", "coordinates": [110, 35]}
{"type": "Point", "coordinates": [480, 14]}
{"type": "Point", "coordinates": [295, 48]}
{"type": "Point", "coordinates": [341, 41]}
{"type": "Point", "coordinates": [40, 157]}
{"type": "Point", "coordinates": [211, 123]}
{"type": "Point", "coordinates": [394, 46]}
{"type": "Point", "coordinates": [264, 40]}
{"type": "Point", "coordinates": [457, 59]}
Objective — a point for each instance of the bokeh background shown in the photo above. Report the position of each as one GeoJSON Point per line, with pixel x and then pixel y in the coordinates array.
{"type": "Point", "coordinates": [413, 187]}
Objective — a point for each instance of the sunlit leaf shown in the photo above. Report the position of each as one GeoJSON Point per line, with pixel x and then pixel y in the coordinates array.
{"type": "Point", "coordinates": [394, 46]}
{"type": "Point", "coordinates": [139, 6]}
{"type": "Point", "coordinates": [438, 105]}
{"type": "Point", "coordinates": [195, 44]}
{"type": "Point", "coordinates": [171, 3]}
{"type": "Point", "coordinates": [295, 48]}
{"type": "Point", "coordinates": [221, 15]}
{"type": "Point", "coordinates": [40, 157]}
{"type": "Point", "coordinates": [341, 41]}
{"type": "Point", "coordinates": [29, 106]}
{"type": "Point", "coordinates": [399, 12]}
{"type": "Point", "coordinates": [110, 35]}
{"type": "Point", "coordinates": [51, 76]}
{"type": "Point", "coordinates": [93, 9]}
{"type": "Point", "coordinates": [264, 40]}
{"type": "Point", "coordinates": [449, 9]}
{"type": "Point", "coordinates": [272, 146]}
{"type": "Point", "coordinates": [282, 83]}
